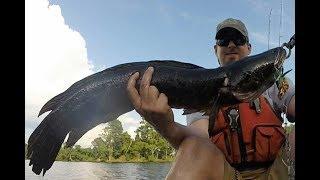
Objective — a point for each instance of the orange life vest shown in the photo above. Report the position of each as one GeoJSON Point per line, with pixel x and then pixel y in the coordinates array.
{"type": "Point", "coordinates": [256, 137]}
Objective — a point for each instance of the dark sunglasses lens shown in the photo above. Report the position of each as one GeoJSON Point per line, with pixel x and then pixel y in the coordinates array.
{"type": "Point", "coordinates": [223, 42]}
{"type": "Point", "coordinates": [239, 41]}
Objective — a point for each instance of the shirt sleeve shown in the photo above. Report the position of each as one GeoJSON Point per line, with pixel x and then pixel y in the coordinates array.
{"type": "Point", "coordinates": [281, 104]}
{"type": "Point", "coordinates": [190, 118]}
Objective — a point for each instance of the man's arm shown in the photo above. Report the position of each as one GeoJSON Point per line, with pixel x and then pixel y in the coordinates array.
{"type": "Point", "coordinates": [291, 111]}
{"type": "Point", "coordinates": [201, 127]}
{"type": "Point", "coordinates": [286, 102]}
{"type": "Point", "coordinates": [153, 106]}
{"type": "Point", "coordinates": [179, 132]}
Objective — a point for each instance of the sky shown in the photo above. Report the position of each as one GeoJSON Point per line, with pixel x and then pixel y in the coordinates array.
{"type": "Point", "coordinates": [67, 40]}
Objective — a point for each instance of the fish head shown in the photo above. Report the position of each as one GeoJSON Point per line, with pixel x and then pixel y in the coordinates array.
{"type": "Point", "coordinates": [251, 76]}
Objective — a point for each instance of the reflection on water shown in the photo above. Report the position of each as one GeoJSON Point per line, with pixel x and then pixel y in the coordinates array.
{"type": "Point", "coordinates": [87, 170]}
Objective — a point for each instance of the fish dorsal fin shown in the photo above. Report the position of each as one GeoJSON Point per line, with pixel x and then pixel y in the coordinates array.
{"type": "Point", "coordinates": [173, 63]}
{"type": "Point", "coordinates": [213, 112]}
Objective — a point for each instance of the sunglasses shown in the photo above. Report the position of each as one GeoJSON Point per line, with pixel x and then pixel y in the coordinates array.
{"type": "Point", "coordinates": [238, 41]}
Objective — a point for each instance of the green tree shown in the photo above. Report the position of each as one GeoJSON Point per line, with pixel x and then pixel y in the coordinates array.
{"type": "Point", "coordinates": [289, 127]}
{"type": "Point", "coordinates": [116, 145]}
{"type": "Point", "coordinates": [64, 154]}
{"type": "Point", "coordinates": [154, 146]}
{"type": "Point", "coordinates": [126, 148]}
{"type": "Point", "coordinates": [112, 135]}
{"type": "Point", "coordinates": [100, 149]}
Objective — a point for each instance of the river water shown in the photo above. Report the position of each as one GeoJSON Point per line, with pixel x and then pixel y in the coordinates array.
{"type": "Point", "coordinates": [88, 170]}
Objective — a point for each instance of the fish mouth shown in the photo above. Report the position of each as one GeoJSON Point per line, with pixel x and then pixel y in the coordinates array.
{"type": "Point", "coordinates": [280, 58]}
{"type": "Point", "coordinates": [249, 96]}
{"type": "Point", "coordinates": [246, 97]}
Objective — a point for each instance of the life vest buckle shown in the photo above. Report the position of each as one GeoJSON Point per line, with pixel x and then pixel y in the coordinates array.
{"type": "Point", "coordinates": [233, 116]}
{"type": "Point", "coordinates": [256, 105]}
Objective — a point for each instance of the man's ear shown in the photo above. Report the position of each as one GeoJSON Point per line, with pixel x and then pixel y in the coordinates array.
{"type": "Point", "coordinates": [215, 49]}
{"type": "Point", "coordinates": [249, 48]}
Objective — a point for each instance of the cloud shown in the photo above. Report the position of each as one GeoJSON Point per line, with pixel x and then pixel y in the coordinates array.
{"type": "Point", "coordinates": [260, 5]}
{"type": "Point", "coordinates": [94, 133]}
{"type": "Point", "coordinates": [198, 19]}
{"type": "Point", "coordinates": [56, 57]}
{"type": "Point", "coordinates": [264, 7]}
{"type": "Point", "coordinates": [130, 122]}
{"type": "Point", "coordinates": [263, 39]}
{"type": "Point", "coordinates": [166, 12]}
{"type": "Point", "coordinates": [184, 15]}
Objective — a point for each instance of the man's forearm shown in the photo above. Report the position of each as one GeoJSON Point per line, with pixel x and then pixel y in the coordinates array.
{"type": "Point", "coordinates": [291, 110]}
{"type": "Point", "coordinates": [291, 107]}
{"type": "Point", "coordinates": [176, 133]}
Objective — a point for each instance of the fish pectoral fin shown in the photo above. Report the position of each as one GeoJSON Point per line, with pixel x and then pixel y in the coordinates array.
{"type": "Point", "coordinates": [286, 73]}
{"type": "Point", "coordinates": [213, 112]}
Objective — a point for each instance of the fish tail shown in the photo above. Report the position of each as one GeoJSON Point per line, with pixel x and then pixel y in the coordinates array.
{"type": "Point", "coordinates": [44, 144]}
{"type": "Point", "coordinates": [75, 135]}
{"type": "Point", "coordinates": [52, 103]}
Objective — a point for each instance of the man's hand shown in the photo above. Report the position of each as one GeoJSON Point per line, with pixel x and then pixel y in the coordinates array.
{"type": "Point", "coordinates": [149, 103]}
{"type": "Point", "coordinates": [153, 106]}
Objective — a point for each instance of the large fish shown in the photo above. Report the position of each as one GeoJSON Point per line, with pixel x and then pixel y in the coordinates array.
{"type": "Point", "coordinates": [102, 97]}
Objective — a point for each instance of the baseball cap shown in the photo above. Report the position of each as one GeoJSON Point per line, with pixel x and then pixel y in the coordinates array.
{"type": "Point", "coordinates": [233, 23]}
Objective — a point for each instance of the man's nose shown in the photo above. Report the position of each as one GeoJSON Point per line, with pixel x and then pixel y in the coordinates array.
{"type": "Point", "coordinates": [231, 44]}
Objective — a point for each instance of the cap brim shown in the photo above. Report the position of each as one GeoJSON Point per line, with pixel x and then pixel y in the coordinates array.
{"type": "Point", "coordinates": [223, 28]}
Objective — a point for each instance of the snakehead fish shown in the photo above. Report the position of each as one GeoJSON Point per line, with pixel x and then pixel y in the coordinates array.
{"type": "Point", "coordinates": [102, 97]}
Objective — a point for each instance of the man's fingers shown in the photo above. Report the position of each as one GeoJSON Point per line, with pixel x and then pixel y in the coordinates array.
{"type": "Point", "coordinates": [163, 99]}
{"type": "Point", "coordinates": [153, 92]}
{"type": "Point", "coordinates": [145, 83]}
{"type": "Point", "coordinates": [132, 91]}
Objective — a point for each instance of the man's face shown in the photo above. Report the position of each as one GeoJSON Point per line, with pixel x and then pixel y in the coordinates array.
{"type": "Point", "coordinates": [230, 47]}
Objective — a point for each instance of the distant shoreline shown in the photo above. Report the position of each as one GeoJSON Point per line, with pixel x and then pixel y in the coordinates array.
{"type": "Point", "coordinates": [118, 161]}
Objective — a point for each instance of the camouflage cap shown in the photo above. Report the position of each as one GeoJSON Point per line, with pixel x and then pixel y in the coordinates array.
{"type": "Point", "coordinates": [233, 23]}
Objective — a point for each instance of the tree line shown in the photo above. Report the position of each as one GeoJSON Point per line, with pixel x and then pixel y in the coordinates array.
{"type": "Point", "coordinates": [115, 145]}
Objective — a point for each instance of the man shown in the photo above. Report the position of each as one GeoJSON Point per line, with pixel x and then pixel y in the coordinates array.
{"type": "Point", "coordinates": [242, 145]}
